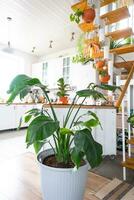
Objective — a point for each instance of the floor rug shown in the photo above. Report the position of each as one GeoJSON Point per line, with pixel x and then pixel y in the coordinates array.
{"type": "Point", "coordinates": [116, 190]}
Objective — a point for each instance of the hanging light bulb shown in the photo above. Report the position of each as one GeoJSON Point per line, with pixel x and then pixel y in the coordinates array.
{"type": "Point", "coordinates": [50, 45]}
{"type": "Point", "coordinates": [9, 19]}
{"type": "Point", "coordinates": [33, 50]}
{"type": "Point", "coordinates": [73, 36]}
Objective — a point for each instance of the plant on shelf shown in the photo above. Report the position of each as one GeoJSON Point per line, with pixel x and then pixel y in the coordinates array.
{"type": "Point", "coordinates": [76, 16]}
{"type": "Point", "coordinates": [88, 15]}
{"type": "Point", "coordinates": [104, 77]}
{"type": "Point", "coordinates": [62, 91]}
{"type": "Point", "coordinates": [122, 42]}
{"type": "Point", "coordinates": [72, 144]}
{"type": "Point", "coordinates": [80, 57]}
{"type": "Point", "coordinates": [131, 120]}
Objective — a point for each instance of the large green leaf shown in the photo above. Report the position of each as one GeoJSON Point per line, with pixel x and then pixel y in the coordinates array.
{"type": "Point", "coordinates": [40, 129]}
{"type": "Point", "coordinates": [90, 93]}
{"type": "Point", "coordinates": [77, 156]}
{"type": "Point", "coordinates": [131, 120]}
{"type": "Point", "coordinates": [112, 88]}
{"type": "Point", "coordinates": [65, 131]}
{"type": "Point", "coordinates": [38, 145]}
{"type": "Point", "coordinates": [21, 85]}
{"type": "Point", "coordinates": [92, 122]}
{"type": "Point", "coordinates": [85, 143]}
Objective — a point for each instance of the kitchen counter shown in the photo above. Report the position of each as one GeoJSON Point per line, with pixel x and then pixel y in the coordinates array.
{"type": "Point", "coordinates": [66, 106]}
{"type": "Point", "coordinates": [83, 106]}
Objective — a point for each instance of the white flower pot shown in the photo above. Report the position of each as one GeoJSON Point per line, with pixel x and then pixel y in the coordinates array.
{"type": "Point", "coordinates": [61, 183]}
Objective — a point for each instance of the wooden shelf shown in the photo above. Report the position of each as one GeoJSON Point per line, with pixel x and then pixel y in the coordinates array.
{"type": "Point", "coordinates": [115, 15]}
{"type": "Point", "coordinates": [80, 6]}
{"type": "Point", "coordinates": [123, 50]}
{"type": "Point", "coordinates": [87, 27]}
{"type": "Point", "coordinates": [129, 163]}
{"type": "Point", "coordinates": [116, 35]}
{"type": "Point", "coordinates": [131, 141]}
{"type": "Point", "coordinates": [106, 2]}
{"type": "Point", "coordinates": [98, 55]}
{"type": "Point", "coordinates": [127, 65]}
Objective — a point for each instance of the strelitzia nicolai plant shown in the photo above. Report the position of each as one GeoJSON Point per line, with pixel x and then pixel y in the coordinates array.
{"type": "Point", "coordinates": [73, 140]}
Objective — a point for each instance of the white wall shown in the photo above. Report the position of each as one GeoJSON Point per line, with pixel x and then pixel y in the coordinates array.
{"type": "Point", "coordinates": [65, 52]}
{"type": "Point", "coordinates": [28, 59]}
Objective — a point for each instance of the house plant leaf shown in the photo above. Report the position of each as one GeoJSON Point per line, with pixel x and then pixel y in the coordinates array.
{"type": "Point", "coordinates": [41, 128]}
{"type": "Point", "coordinates": [85, 143]}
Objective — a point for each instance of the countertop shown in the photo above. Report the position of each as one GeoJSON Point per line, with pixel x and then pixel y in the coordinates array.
{"type": "Point", "coordinates": [66, 106]}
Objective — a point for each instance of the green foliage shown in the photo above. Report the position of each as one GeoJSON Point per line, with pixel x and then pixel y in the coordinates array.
{"type": "Point", "coordinates": [21, 85]}
{"type": "Point", "coordinates": [44, 125]}
{"type": "Point", "coordinates": [131, 120]}
{"type": "Point", "coordinates": [112, 88]}
{"type": "Point", "coordinates": [79, 58]}
{"type": "Point", "coordinates": [119, 43]}
{"type": "Point", "coordinates": [75, 17]}
{"type": "Point", "coordinates": [62, 88]}
{"type": "Point", "coordinates": [86, 145]}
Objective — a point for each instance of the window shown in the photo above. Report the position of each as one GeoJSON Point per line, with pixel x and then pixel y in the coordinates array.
{"type": "Point", "coordinates": [45, 73]}
{"type": "Point", "coordinates": [66, 69]}
{"type": "Point", "coordinates": [10, 66]}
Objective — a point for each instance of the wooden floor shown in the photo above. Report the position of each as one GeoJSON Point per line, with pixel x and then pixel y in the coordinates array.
{"type": "Point", "coordinates": [19, 180]}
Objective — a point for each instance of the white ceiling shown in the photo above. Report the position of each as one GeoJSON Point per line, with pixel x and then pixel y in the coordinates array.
{"type": "Point", "coordinates": [35, 23]}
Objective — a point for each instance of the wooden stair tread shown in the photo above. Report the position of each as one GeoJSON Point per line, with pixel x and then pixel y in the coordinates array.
{"type": "Point", "coordinates": [125, 164]}
{"type": "Point", "coordinates": [127, 65]}
{"type": "Point", "coordinates": [82, 5]}
{"type": "Point", "coordinates": [123, 50]}
{"type": "Point", "coordinates": [115, 15]}
{"type": "Point", "coordinates": [124, 33]}
{"type": "Point", "coordinates": [106, 2]}
{"type": "Point", "coordinates": [131, 141]}
{"type": "Point", "coordinates": [87, 27]}
{"type": "Point", "coordinates": [129, 163]}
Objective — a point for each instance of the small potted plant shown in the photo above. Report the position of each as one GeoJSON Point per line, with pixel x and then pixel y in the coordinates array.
{"type": "Point", "coordinates": [104, 77]}
{"type": "Point", "coordinates": [99, 65]}
{"type": "Point", "coordinates": [88, 15]}
{"type": "Point", "coordinates": [62, 91]}
{"type": "Point", "coordinates": [64, 167]}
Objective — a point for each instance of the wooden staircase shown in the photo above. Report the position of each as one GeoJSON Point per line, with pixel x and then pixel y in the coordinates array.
{"type": "Point", "coordinates": [108, 19]}
{"type": "Point", "coordinates": [129, 163]}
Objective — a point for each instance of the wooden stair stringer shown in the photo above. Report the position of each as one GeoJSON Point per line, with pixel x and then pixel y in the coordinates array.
{"type": "Point", "coordinates": [122, 94]}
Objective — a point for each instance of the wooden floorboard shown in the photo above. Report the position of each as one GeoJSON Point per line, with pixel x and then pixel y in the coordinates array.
{"type": "Point", "coordinates": [19, 180]}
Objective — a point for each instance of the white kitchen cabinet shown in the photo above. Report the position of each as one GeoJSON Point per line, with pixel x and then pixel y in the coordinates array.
{"type": "Point", "coordinates": [10, 115]}
{"type": "Point", "coordinates": [7, 117]}
{"type": "Point", "coordinates": [20, 110]}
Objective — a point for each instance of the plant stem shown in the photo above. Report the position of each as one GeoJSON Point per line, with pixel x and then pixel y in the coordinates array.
{"type": "Point", "coordinates": [77, 112]}
{"type": "Point", "coordinates": [52, 109]}
{"type": "Point", "coordinates": [69, 112]}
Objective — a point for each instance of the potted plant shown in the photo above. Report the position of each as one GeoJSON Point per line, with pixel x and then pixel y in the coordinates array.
{"type": "Point", "coordinates": [62, 91]}
{"type": "Point", "coordinates": [73, 145]}
{"type": "Point", "coordinates": [88, 15]}
{"type": "Point", "coordinates": [99, 65]}
{"type": "Point", "coordinates": [104, 77]}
